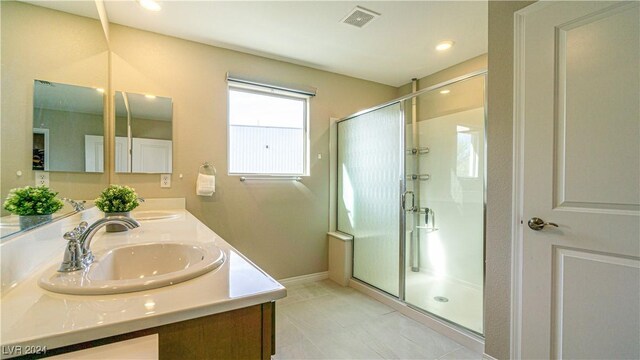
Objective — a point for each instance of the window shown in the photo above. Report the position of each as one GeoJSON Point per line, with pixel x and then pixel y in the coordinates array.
{"type": "Point", "coordinates": [467, 155]}
{"type": "Point", "coordinates": [267, 131]}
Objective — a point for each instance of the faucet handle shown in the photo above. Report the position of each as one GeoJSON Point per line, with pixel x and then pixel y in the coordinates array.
{"type": "Point", "coordinates": [82, 226]}
{"type": "Point", "coordinates": [77, 205]}
{"type": "Point", "coordinates": [74, 235]}
{"type": "Point", "coordinates": [73, 255]}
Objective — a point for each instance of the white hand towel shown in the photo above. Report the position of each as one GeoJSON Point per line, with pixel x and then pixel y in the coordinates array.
{"type": "Point", "coordinates": [206, 185]}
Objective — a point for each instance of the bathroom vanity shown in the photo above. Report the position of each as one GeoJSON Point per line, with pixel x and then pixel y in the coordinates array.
{"type": "Point", "coordinates": [228, 312]}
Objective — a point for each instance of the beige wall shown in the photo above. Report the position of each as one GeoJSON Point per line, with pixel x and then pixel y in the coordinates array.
{"type": "Point", "coordinates": [35, 45]}
{"type": "Point", "coordinates": [463, 68]}
{"type": "Point", "coordinates": [462, 96]}
{"type": "Point", "coordinates": [499, 177]}
{"type": "Point", "coordinates": [280, 226]}
{"type": "Point", "coordinates": [145, 128]}
{"type": "Point", "coordinates": [66, 136]}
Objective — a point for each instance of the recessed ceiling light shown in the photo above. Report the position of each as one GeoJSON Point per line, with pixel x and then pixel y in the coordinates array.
{"type": "Point", "coordinates": [444, 45]}
{"type": "Point", "coordinates": [100, 90]}
{"type": "Point", "coordinates": [150, 96]}
{"type": "Point", "coordinates": [445, 91]}
{"type": "Point", "coordinates": [150, 5]}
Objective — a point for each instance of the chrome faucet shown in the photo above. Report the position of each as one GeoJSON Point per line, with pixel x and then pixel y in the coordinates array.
{"type": "Point", "coordinates": [77, 205]}
{"type": "Point", "coordinates": [78, 253]}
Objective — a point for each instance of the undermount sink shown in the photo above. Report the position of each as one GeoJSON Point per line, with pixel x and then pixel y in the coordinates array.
{"type": "Point", "coordinates": [136, 267]}
{"type": "Point", "coordinates": [145, 215]}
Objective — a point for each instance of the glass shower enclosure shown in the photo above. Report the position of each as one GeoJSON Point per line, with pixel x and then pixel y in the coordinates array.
{"type": "Point", "coordinates": [411, 193]}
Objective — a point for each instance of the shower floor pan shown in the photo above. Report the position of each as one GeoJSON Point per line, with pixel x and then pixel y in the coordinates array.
{"type": "Point", "coordinates": [455, 301]}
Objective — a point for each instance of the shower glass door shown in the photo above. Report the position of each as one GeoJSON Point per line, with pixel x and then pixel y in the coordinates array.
{"type": "Point", "coordinates": [445, 254]}
{"type": "Point", "coordinates": [411, 192]}
{"type": "Point", "coordinates": [370, 172]}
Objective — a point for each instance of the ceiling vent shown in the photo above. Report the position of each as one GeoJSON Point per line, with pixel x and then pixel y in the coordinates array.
{"type": "Point", "coordinates": [359, 17]}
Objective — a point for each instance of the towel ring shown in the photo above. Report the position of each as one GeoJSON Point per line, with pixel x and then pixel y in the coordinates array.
{"type": "Point", "coordinates": [207, 168]}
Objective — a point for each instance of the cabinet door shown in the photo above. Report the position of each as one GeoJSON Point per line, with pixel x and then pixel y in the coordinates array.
{"type": "Point", "coordinates": [141, 348]}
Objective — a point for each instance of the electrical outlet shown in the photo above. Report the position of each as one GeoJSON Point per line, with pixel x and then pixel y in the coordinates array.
{"type": "Point", "coordinates": [42, 178]}
{"type": "Point", "coordinates": [165, 180]}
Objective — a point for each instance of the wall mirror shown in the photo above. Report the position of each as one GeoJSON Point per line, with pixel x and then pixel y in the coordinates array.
{"type": "Point", "coordinates": [143, 133]}
{"type": "Point", "coordinates": [68, 127]}
{"type": "Point", "coordinates": [39, 42]}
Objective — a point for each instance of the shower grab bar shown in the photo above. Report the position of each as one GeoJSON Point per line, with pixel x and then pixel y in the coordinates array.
{"type": "Point", "coordinates": [286, 178]}
{"type": "Point", "coordinates": [413, 201]}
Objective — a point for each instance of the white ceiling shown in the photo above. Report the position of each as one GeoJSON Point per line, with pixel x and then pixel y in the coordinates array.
{"type": "Point", "coordinates": [392, 49]}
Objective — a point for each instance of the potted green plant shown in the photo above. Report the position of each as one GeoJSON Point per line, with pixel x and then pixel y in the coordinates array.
{"type": "Point", "coordinates": [33, 205]}
{"type": "Point", "coordinates": [117, 200]}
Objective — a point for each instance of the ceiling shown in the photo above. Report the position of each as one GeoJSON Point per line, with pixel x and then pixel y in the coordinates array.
{"type": "Point", "coordinates": [391, 49]}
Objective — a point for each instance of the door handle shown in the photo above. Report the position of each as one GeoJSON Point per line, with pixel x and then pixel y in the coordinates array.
{"type": "Point", "coordinates": [538, 224]}
{"type": "Point", "coordinates": [413, 201]}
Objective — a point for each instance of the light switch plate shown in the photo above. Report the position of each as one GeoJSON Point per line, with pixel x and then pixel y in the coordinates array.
{"type": "Point", "coordinates": [42, 178]}
{"type": "Point", "coordinates": [165, 180]}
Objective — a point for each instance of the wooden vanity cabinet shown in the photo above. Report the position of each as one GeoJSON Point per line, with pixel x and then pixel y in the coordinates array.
{"type": "Point", "coordinates": [247, 333]}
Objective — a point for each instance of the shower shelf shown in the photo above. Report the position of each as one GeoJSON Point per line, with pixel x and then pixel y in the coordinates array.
{"type": "Point", "coordinates": [418, 151]}
{"type": "Point", "coordinates": [421, 177]}
{"type": "Point", "coordinates": [427, 228]}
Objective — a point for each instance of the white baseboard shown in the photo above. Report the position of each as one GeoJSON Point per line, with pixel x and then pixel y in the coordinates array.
{"type": "Point", "coordinates": [302, 279]}
{"type": "Point", "coordinates": [488, 357]}
{"type": "Point", "coordinates": [473, 342]}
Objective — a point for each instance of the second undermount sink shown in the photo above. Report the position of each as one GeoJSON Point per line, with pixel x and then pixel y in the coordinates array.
{"type": "Point", "coordinates": [146, 215]}
{"type": "Point", "coordinates": [136, 267]}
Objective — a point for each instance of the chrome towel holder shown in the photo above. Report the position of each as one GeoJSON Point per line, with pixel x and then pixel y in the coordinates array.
{"type": "Point", "coordinates": [207, 169]}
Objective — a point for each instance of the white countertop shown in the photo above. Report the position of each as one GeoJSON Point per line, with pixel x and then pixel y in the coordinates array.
{"type": "Point", "coordinates": [31, 315]}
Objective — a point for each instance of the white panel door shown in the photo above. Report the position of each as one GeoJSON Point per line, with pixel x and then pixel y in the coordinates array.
{"type": "Point", "coordinates": [577, 102]}
{"type": "Point", "coordinates": [122, 154]}
{"type": "Point", "coordinates": [151, 155]}
{"type": "Point", "coordinates": [93, 153]}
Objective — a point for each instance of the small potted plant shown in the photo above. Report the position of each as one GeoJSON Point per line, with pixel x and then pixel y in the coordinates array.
{"type": "Point", "coordinates": [33, 205]}
{"type": "Point", "coordinates": [117, 200]}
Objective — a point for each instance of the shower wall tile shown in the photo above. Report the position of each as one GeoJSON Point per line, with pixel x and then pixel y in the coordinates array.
{"type": "Point", "coordinates": [455, 251]}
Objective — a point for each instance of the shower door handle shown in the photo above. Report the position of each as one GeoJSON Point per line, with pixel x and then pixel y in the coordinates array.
{"type": "Point", "coordinates": [404, 201]}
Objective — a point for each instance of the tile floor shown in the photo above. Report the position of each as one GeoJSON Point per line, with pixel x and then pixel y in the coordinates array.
{"type": "Point", "coordinates": [322, 320]}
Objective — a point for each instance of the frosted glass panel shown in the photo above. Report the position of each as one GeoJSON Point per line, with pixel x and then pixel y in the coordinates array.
{"type": "Point", "coordinates": [369, 175]}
